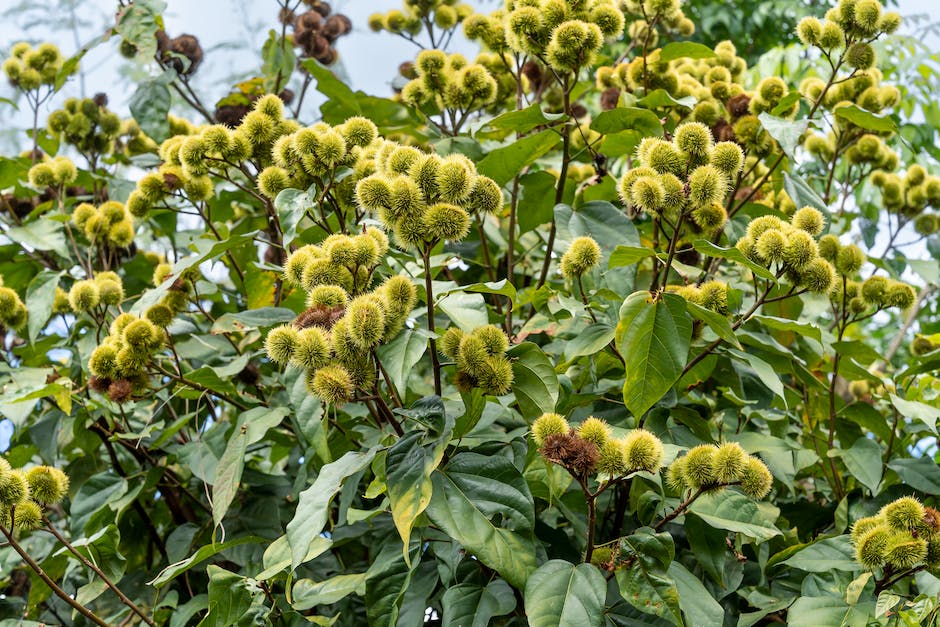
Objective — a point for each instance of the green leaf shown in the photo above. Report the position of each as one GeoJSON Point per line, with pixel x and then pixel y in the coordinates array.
{"type": "Point", "coordinates": [764, 371]}
{"type": "Point", "coordinates": [917, 410]}
{"type": "Point", "coordinates": [921, 473]}
{"type": "Point", "coordinates": [708, 545]}
{"type": "Point", "coordinates": [42, 234]}
{"type": "Point", "coordinates": [228, 473]}
{"type": "Point", "coordinates": [863, 461]}
{"type": "Point", "coordinates": [537, 199]}
{"type": "Point", "coordinates": [502, 287]}
{"type": "Point", "coordinates": [466, 495]}
{"type": "Point", "coordinates": [802, 194]}
{"type": "Point", "coordinates": [408, 467]}
{"type": "Point", "coordinates": [471, 605]}
{"type": "Point", "coordinates": [695, 601]}
{"type": "Point", "coordinates": [825, 555]}
{"type": "Point", "coordinates": [804, 329]}
{"type": "Point", "coordinates": [229, 598]}
{"type": "Point", "coordinates": [279, 61]}
{"type": "Point", "coordinates": [643, 121]}
{"type": "Point", "coordinates": [150, 105]}
{"type": "Point", "coordinates": [308, 593]}
{"type": "Point", "coordinates": [643, 582]}
{"type": "Point", "coordinates": [39, 297]}
{"type": "Point", "coordinates": [705, 247]}
{"type": "Point", "coordinates": [715, 321]}
{"type": "Point", "coordinates": [685, 50]}
{"type": "Point", "coordinates": [589, 341]}
{"type": "Point", "coordinates": [786, 132]}
{"type": "Point", "coordinates": [653, 336]}
{"type": "Point", "coordinates": [399, 356]}
{"type": "Point", "coordinates": [825, 611]}
{"type": "Point", "coordinates": [252, 319]}
{"type": "Point", "coordinates": [604, 222]}
{"type": "Point", "coordinates": [314, 503]}
{"type": "Point", "coordinates": [661, 98]}
{"type": "Point", "coordinates": [560, 593]}
{"type": "Point", "coordinates": [535, 384]}
{"type": "Point", "coordinates": [292, 205]}
{"type": "Point", "coordinates": [502, 164]}
{"type": "Point", "coordinates": [733, 511]}
{"type": "Point", "coordinates": [519, 122]}
{"type": "Point", "coordinates": [866, 119]}
{"type": "Point", "coordinates": [628, 255]}
{"type": "Point", "coordinates": [172, 571]}
{"type": "Point", "coordinates": [467, 311]}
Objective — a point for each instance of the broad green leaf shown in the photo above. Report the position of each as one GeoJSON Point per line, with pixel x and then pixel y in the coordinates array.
{"type": "Point", "coordinates": [764, 371]}
{"type": "Point", "coordinates": [408, 466]}
{"type": "Point", "coordinates": [314, 502]}
{"type": "Point", "coordinates": [918, 411]}
{"type": "Point", "coordinates": [826, 611]}
{"type": "Point", "coordinates": [804, 329]}
{"type": "Point", "coordinates": [41, 234]}
{"type": "Point", "coordinates": [786, 132]}
{"type": "Point", "coordinates": [150, 104]}
{"type": "Point", "coordinates": [733, 254]}
{"type": "Point", "coordinates": [399, 356]}
{"type": "Point", "coordinates": [471, 605]}
{"type": "Point", "coordinates": [537, 200]}
{"type": "Point", "coordinates": [802, 194]}
{"type": "Point", "coordinates": [518, 121]}
{"type": "Point", "coordinates": [229, 598]}
{"type": "Point", "coordinates": [277, 557]}
{"type": "Point", "coordinates": [467, 494]}
{"type": "Point", "coordinates": [643, 581]}
{"type": "Point", "coordinates": [863, 461]}
{"type": "Point", "coordinates": [292, 205]}
{"type": "Point", "coordinates": [825, 555]}
{"type": "Point", "coordinates": [502, 164]}
{"type": "Point", "coordinates": [708, 545]}
{"type": "Point", "coordinates": [252, 319]}
{"type": "Point", "coordinates": [685, 50]}
{"type": "Point", "coordinates": [604, 222]}
{"type": "Point", "coordinates": [467, 311]}
{"type": "Point", "coordinates": [866, 119]}
{"type": "Point", "coordinates": [535, 384]}
{"type": "Point", "coordinates": [559, 593]}
{"type": "Point", "coordinates": [174, 570]}
{"type": "Point", "coordinates": [715, 321]}
{"type": "Point", "coordinates": [921, 473]}
{"type": "Point", "coordinates": [502, 287]}
{"type": "Point", "coordinates": [39, 296]}
{"type": "Point", "coordinates": [628, 255]}
{"type": "Point", "coordinates": [279, 60]}
{"type": "Point", "coordinates": [308, 593]}
{"type": "Point", "coordinates": [653, 337]}
{"type": "Point", "coordinates": [589, 341]}
{"type": "Point", "coordinates": [733, 511]}
{"type": "Point", "coordinates": [695, 601]}
{"type": "Point", "coordinates": [228, 473]}
{"type": "Point", "coordinates": [643, 121]}
{"type": "Point", "coordinates": [661, 98]}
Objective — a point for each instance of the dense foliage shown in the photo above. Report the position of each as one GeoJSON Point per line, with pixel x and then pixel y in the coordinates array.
{"type": "Point", "coordinates": [603, 326]}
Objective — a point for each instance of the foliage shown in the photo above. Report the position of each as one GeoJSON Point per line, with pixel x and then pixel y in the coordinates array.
{"type": "Point", "coordinates": [608, 325]}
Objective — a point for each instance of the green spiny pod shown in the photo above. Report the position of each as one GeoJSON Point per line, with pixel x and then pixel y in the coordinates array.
{"type": "Point", "coordinates": [675, 475]}
{"type": "Point", "coordinates": [160, 315]}
{"type": "Point", "coordinates": [332, 384]}
{"type": "Point", "coordinates": [904, 551]}
{"type": "Point", "coordinates": [546, 425]}
{"type": "Point", "coordinates": [904, 514]}
{"type": "Point", "coordinates": [471, 355]}
{"type": "Point", "coordinates": [366, 323]}
{"type": "Point", "coordinates": [694, 139]}
{"type": "Point", "coordinates": [495, 376]}
{"type": "Point", "coordinates": [312, 349]}
{"type": "Point", "coordinates": [771, 246]}
{"type": "Point", "coordinates": [281, 343]}
{"type": "Point", "coordinates": [801, 249]}
{"type": "Point", "coordinates": [863, 525]}
{"type": "Point", "coordinates": [449, 342]}
{"type": "Point", "coordinates": [358, 131]}
{"type": "Point", "coordinates": [297, 262]}
{"type": "Point", "coordinates": [756, 479]}
{"type": "Point", "coordinates": [47, 484]}
{"type": "Point", "coordinates": [83, 295]}
{"type": "Point", "coordinates": [455, 177]}
{"type": "Point", "coordinates": [699, 466]}
{"type": "Point", "coordinates": [872, 547]}
{"type": "Point", "coordinates": [642, 451]}
{"type": "Point", "coordinates": [28, 516]}
{"type": "Point", "coordinates": [583, 255]}
{"type": "Point", "coordinates": [818, 276]}
{"type": "Point", "coordinates": [710, 218]}
{"type": "Point", "coordinates": [594, 430]}
{"type": "Point", "coordinates": [328, 296]}
{"type": "Point", "coordinates": [758, 226]}
{"type": "Point", "coordinates": [374, 192]}
{"type": "Point", "coordinates": [494, 339]}
{"type": "Point", "coordinates": [485, 196]}
{"type": "Point", "coordinates": [730, 461]}
{"type": "Point", "coordinates": [728, 158]}
{"type": "Point", "coordinates": [406, 201]}
{"type": "Point", "coordinates": [707, 185]}
{"type": "Point", "coordinates": [611, 459]}
{"type": "Point", "coordinates": [103, 361]}
{"type": "Point", "coordinates": [381, 241]}
{"type": "Point", "coordinates": [109, 292]}
{"type": "Point", "coordinates": [14, 489]}
{"type": "Point", "coordinates": [647, 193]}
{"type": "Point", "coordinates": [809, 219]}
{"type": "Point", "coordinates": [446, 222]}
{"type": "Point", "coordinates": [899, 295]}
{"type": "Point", "coordinates": [850, 260]}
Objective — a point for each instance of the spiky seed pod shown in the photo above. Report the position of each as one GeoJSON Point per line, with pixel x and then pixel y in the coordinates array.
{"type": "Point", "coordinates": [445, 222]}
{"type": "Point", "coordinates": [546, 425]}
{"type": "Point", "coordinates": [675, 475]}
{"type": "Point", "coordinates": [380, 239]}
{"type": "Point", "coordinates": [47, 484]}
{"type": "Point", "coordinates": [485, 196]}
{"type": "Point", "coordinates": [366, 323]}
{"type": "Point", "coordinates": [455, 177]}
{"type": "Point", "coordinates": [863, 525]}
{"type": "Point", "coordinates": [707, 185]}
{"type": "Point", "coordinates": [583, 254]}
{"type": "Point", "coordinates": [312, 350]}
{"type": "Point", "coordinates": [83, 295]}
{"type": "Point", "coordinates": [139, 334]}
{"type": "Point", "coordinates": [699, 466]}
{"type": "Point", "coordinates": [14, 489]}
{"type": "Point", "coordinates": [710, 218]}
{"type": "Point", "coordinates": [728, 158]}
{"type": "Point", "coordinates": [904, 514]}
{"type": "Point", "coordinates": [493, 338]}
{"type": "Point", "coordinates": [272, 181]}
{"type": "Point", "coordinates": [82, 213]}
{"type": "Point", "coordinates": [758, 226]}
{"type": "Point", "coordinates": [730, 461]}
{"type": "Point", "coordinates": [642, 451]}
{"type": "Point", "coordinates": [594, 430]}
{"type": "Point", "coordinates": [327, 296]}
{"type": "Point", "coordinates": [611, 459]}
{"type": "Point", "coordinates": [904, 551]}
{"type": "Point", "coordinates": [809, 219]}
{"type": "Point", "coordinates": [60, 302]}
{"type": "Point", "coordinates": [890, 22]}
{"type": "Point", "coordinates": [103, 361]}
{"type": "Point", "coordinates": [647, 193]}
{"type": "Point", "coordinates": [28, 516]}
{"type": "Point", "coordinates": [771, 246]}
{"type": "Point", "coordinates": [359, 131]}
{"type": "Point", "coordinates": [449, 343]}
{"type": "Point", "coordinates": [831, 36]}
{"type": "Point", "coordinates": [850, 260]}
{"type": "Point", "coordinates": [818, 276]}
{"type": "Point", "coordinates": [756, 479]}
{"type": "Point", "coordinates": [663, 157]}
{"type": "Point", "coordinates": [694, 139]}
{"type": "Point", "coordinates": [340, 250]}
{"type": "Point", "coordinates": [332, 384]}
{"type": "Point", "coordinates": [573, 45]}
{"type": "Point", "coordinates": [874, 289]}
{"type": "Point", "coordinates": [160, 315]}
{"type": "Point", "coordinates": [495, 376]}
{"type": "Point", "coordinates": [298, 261]}
{"type": "Point", "coordinates": [11, 306]}
{"type": "Point", "coordinates": [424, 171]}
{"type": "Point", "coordinates": [809, 30]}
{"type": "Point", "coordinates": [281, 343]}
{"type": "Point", "coordinates": [801, 249]}
{"type": "Point", "coordinates": [872, 547]}
{"type": "Point", "coordinates": [899, 295]}
{"type": "Point", "coordinates": [406, 201]}
{"type": "Point", "coordinates": [374, 192]}
{"type": "Point", "coordinates": [110, 292]}
{"type": "Point", "coordinates": [41, 176]}
{"type": "Point", "coordinates": [829, 248]}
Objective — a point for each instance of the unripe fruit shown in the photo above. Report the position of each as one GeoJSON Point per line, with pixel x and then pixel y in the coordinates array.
{"type": "Point", "coordinates": [756, 479]}
{"type": "Point", "coordinates": [47, 484]}
{"type": "Point", "coordinates": [809, 219]}
{"type": "Point", "coordinates": [642, 451]}
{"type": "Point", "coordinates": [594, 430]}
{"type": "Point", "coordinates": [281, 343]}
{"type": "Point", "coordinates": [83, 296]}
{"type": "Point", "coordinates": [583, 254]}
{"type": "Point", "coordinates": [332, 384]}
{"type": "Point", "coordinates": [698, 469]}
{"type": "Point", "coordinates": [546, 425]}
{"type": "Point", "coordinates": [730, 462]}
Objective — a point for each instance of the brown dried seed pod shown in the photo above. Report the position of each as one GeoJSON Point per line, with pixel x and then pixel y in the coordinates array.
{"type": "Point", "coordinates": [739, 105]}
{"type": "Point", "coordinates": [120, 390]}
{"type": "Point", "coordinates": [610, 98]}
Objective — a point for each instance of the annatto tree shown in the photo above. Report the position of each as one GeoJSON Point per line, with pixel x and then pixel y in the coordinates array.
{"type": "Point", "coordinates": [601, 327]}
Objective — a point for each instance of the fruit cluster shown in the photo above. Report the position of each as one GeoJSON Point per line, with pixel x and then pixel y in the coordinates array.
{"type": "Point", "coordinates": [56, 173]}
{"type": "Point", "coordinates": [911, 196]}
{"type": "Point", "coordinates": [29, 68]}
{"type": "Point", "coordinates": [480, 358]}
{"type": "Point", "coordinates": [709, 467]}
{"type": "Point", "coordinates": [119, 364]}
{"type": "Point", "coordinates": [87, 124]}
{"type": "Point", "coordinates": [902, 536]}
{"type": "Point", "coordinates": [316, 31]}
{"type": "Point", "coordinates": [110, 224]}
{"type": "Point", "coordinates": [417, 14]}
{"type": "Point", "coordinates": [12, 310]}
{"type": "Point", "coordinates": [24, 494]}
{"type": "Point", "coordinates": [449, 82]}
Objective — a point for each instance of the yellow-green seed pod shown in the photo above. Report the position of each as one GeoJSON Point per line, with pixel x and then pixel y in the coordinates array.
{"type": "Point", "coordinates": [103, 361]}
{"type": "Point", "coordinates": [699, 466]}
{"type": "Point", "coordinates": [771, 246]}
{"type": "Point", "coordinates": [872, 547]}
{"type": "Point", "coordinates": [455, 178]}
{"type": "Point", "coordinates": [366, 323]}
{"type": "Point", "coordinates": [756, 479]}
{"type": "Point", "coordinates": [109, 292]}
{"type": "Point", "coordinates": [28, 516]}
{"type": "Point", "coordinates": [647, 193]}
{"type": "Point", "coordinates": [41, 176]}
{"type": "Point", "coordinates": [594, 430]}
{"type": "Point", "coordinates": [829, 248]}
{"type": "Point", "coordinates": [728, 158]}
{"type": "Point", "coordinates": [863, 525]}
{"type": "Point", "coordinates": [449, 342]}
{"type": "Point", "coordinates": [312, 349]}
{"type": "Point", "coordinates": [904, 514]}
{"type": "Point", "coordinates": [82, 214]}
{"type": "Point", "coordinates": [675, 475]}
{"type": "Point", "coordinates": [904, 551]}
{"type": "Point", "coordinates": [493, 338]}
{"type": "Point", "coordinates": [611, 459]}
{"type": "Point", "coordinates": [801, 249]}
{"type": "Point", "coordinates": [707, 185]}
{"type": "Point", "coordinates": [298, 261]}
{"type": "Point", "coordinates": [711, 217]}
{"type": "Point", "coordinates": [272, 181]}
{"type": "Point", "coordinates": [694, 139]}
{"type": "Point", "coordinates": [359, 131]}
{"type": "Point", "coordinates": [642, 451]}
{"type": "Point", "coordinates": [817, 276]}
{"type": "Point", "coordinates": [60, 302]}
{"type": "Point", "coordinates": [14, 489]}
{"type": "Point", "coordinates": [809, 30]}
{"type": "Point", "coordinates": [445, 222]}
{"type": "Point", "coordinates": [485, 196]}
{"type": "Point", "coordinates": [47, 484]}
{"type": "Point", "coordinates": [405, 201]}
{"type": "Point", "coordinates": [730, 461]}
{"type": "Point", "coordinates": [548, 424]}
{"type": "Point", "coordinates": [281, 343]}
{"type": "Point", "coordinates": [83, 296]}
{"type": "Point", "coordinates": [583, 255]}
{"type": "Point", "coordinates": [332, 384]}
{"type": "Point", "coordinates": [832, 36]}
{"type": "Point", "coordinates": [809, 219]}
{"type": "Point", "coordinates": [850, 260]}
{"type": "Point", "coordinates": [495, 375]}
{"type": "Point", "coordinates": [160, 315]}
{"type": "Point", "coordinates": [899, 295]}
{"type": "Point", "coordinates": [713, 295]}
{"type": "Point", "coordinates": [329, 296]}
